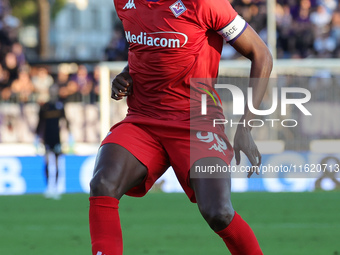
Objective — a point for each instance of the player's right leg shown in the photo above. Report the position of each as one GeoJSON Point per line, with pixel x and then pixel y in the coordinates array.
{"type": "Point", "coordinates": [116, 171]}
{"type": "Point", "coordinates": [130, 160]}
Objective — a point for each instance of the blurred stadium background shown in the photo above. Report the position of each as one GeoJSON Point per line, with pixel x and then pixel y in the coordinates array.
{"type": "Point", "coordinates": [79, 46]}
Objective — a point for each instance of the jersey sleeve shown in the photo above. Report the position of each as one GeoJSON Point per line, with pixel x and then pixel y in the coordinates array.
{"type": "Point", "coordinates": [117, 4]}
{"type": "Point", "coordinates": [220, 16]}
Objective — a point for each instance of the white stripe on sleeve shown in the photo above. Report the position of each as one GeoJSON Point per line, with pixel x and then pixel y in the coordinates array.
{"type": "Point", "coordinates": [233, 29]}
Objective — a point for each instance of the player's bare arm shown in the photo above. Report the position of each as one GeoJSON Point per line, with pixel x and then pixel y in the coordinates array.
{"type": "Point", "coordinates": [121, 85]}
{"type": "Point", "coordinates": [250, 45]}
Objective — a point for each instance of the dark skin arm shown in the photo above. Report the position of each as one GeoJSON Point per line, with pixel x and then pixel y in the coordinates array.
{"type": "Point", "coordinates": [250, 45]}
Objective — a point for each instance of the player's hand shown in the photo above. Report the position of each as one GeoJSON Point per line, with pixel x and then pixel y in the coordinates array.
{"type": "Point", "coordinates": [121, 86]}
{"type": "Point", "coordinates": [243, 141]}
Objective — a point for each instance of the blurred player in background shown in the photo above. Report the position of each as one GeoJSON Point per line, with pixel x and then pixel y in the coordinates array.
{"type": "Point", "coordinates": [48, 130]}
{"type": "Point", "coordinates": [170, 43]}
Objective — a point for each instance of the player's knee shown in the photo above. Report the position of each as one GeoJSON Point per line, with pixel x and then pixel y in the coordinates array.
{"type": "Point", "coordinates": [97, 185]}
{"type": "Point", "coordinates": [100, 185]}
{"type": "Point", "coordinates": [218, 218]}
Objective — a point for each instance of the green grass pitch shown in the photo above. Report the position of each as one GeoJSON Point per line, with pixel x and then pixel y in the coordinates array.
{"type": "Point", "coordinates": [285, 223]}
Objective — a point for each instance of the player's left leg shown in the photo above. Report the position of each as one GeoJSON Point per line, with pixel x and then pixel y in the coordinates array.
{"type": "Point", "coordinates": [56, 193]}
{"type": "Point", "coordinates": [46, 162]}
{"type": "Point", "coordinates": [214, 203]}
{"type": "Point", "coordinates": [57, 152]}
{"type": "Point", "coordinates": [48, 191]}
{"type": "Point", "coordinates": [56, 156]}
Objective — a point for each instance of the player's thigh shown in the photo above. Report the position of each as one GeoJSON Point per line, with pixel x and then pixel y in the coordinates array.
{"type": "Point", "coordinates": [189, 150]}
{"type": "Point", "coordinates": [116, 171]}
{"type": "Point", "coordinates": [213, 192]}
